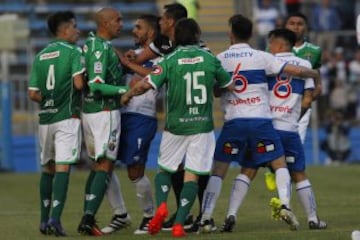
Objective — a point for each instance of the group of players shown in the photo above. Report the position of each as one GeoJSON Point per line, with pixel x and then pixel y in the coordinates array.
{"type": "Point", "coordinates": [263, 95]}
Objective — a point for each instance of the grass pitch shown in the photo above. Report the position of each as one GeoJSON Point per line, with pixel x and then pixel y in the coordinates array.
{"type": "Point", "coordinates": [336, 190]}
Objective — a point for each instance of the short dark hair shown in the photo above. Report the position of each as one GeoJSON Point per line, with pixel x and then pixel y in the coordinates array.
{"type": "Point", "coordinates": [285, 34]}
{"type": "Point", "coordinates": [241, 27]}
{"type": "Point", "coordinates": [175, 11]}
{"type": "Point", "coordinates": [296, 14]}
{"type": "Point", "coordinates": [152, 20]}
{"type": "Point", "coordinates": [55, 20]}
{"type": "Point", "coordinates": [187, 32]}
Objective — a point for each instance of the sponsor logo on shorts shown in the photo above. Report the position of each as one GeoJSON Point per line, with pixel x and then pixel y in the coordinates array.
{"type": "Point", "coordinates": [264, 147]}
{"type": "Point", "coordinates": [230, 149]}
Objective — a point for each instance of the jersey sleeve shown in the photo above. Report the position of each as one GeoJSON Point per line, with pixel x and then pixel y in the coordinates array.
{"type": "Point", "coordinates": [157, 77]}
{"type": "Point", "coordinates": [272, 65]}
{"type": "Point", "coordinates": [309, 82]}
{"type": "Point", "coordinates": [222, 77]}
{"type": "Point", "coordinates": [77, 66]}
{"type": "Point", "coordinates": [317, 61]}
{"type": "Point", "coordinates": [33, 83]}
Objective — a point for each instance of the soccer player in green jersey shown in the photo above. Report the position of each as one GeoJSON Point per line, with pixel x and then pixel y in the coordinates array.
{"type": "Point", "coordinates": [55, 80]}
{"type": "Point", "coordinates": [189, 74]}
{"type": "Point", "coordinates": [297, 22]}
{"type": "Point", "coordinates": [101, 116]}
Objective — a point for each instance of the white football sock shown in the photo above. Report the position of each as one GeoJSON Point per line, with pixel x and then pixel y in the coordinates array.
{"type": "Point", "coordinates": [307, 199]}
{"type": "Point", "coordinates": [211, 195]}
{"type": "Point", "coordinates": [114, 196]}
{"type": "Point", "coordinates": [239, 190]}
{"type": "Point", "coordinates": [283, 185]}
{"type": "Point", "coordinates": [144, 195]}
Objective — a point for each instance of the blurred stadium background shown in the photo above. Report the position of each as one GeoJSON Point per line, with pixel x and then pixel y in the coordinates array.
{"type": "Point", "coordinates": [26, 21]}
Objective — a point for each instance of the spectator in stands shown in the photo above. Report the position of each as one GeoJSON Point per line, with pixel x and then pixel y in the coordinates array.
{"type": "Point", "coordinates": [324, 19]}
{"type": "Point", "coordinates": [192, 7]}
{"type": "Point", "coordinates": [338, 97]}
{"type": "Point", "coordinates": [337, 143]}
{"type": "Point", "coordinates": [265, 17]}
{"type": "Point", "coordinates": [354, 68]}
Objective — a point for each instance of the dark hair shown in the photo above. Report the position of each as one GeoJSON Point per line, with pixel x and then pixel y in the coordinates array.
{"type": "Point", "coordinates": [187, 32]}
{"type": "Point", "coordinates": [296, 14]}
{"type": "Point", "coordinates": [285, 34]}
{"type": "Point", "coordinates": [55, 20]}
{"type": "Point", "coordinates": [152, 20]}
{"type": "Point", "coordinates": [241, 27]}
{"type": "Point", "coordinates": [175, 11]}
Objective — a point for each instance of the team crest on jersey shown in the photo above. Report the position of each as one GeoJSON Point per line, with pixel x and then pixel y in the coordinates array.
{"type": "Point", "coordinates": [308, 56]}
{"type": "Point", "coordinates": [157, 70]}
{"type": "Point", "coordinates": [98, 67]}
{"type": "Point", "coordinates": [229, 148]}
{"type": "Point", "coordinates": [265, 146]}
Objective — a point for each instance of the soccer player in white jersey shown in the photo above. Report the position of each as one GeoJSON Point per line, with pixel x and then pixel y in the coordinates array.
{"type": "Point", "coordinates": [288, 96]}
{"type": "Point", "coordinates": [248, 122]}
{"type": "Point", "coordinates": [138, 126]}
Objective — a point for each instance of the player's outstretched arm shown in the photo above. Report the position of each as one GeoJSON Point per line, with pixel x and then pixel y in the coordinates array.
{"type": "Point", "coordinates": [139, 88]}
{"type": "Point", "coordinates": [300, 71]}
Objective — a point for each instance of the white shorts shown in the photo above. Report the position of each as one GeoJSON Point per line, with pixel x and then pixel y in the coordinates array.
{"type": "Point", "coordinates": [198, 150]}
{"type": "Point", "coordinates": [303, 124]}
{"type": "Point", "coordinates": [60, 142]}
{"type": "Point", "coordinates": [102, 134]}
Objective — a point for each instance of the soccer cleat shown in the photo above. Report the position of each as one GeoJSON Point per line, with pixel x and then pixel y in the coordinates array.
{"type": "Point", "coordinates": [275, 206]}
{"type": "Point", "coordinates": [289, 217]}
{"type": "Point", "coordinates": [143, 228]}
{"type": "Point", "coordinates": [229, 224]}
{"type": "Point", "coordinates": [45, 228]}
{"type": "Point", "coordinates": [167, 226]}
{"type": "Point", "coordinates": [117, 222]}
{"type": "Point", "coordinates": [319, 225]}
{"type": "Point", "coordinates": [195, 226]}
{"type": "Point", "coordinates": [156, 222]}
{"type": "Point", "coordinates": [56, 228]}
{"type": "Point", "coordinates": [88, 226]}
{"type": "Point", "coordinates": [178, 230]}
{"type": "Point", "coordinates": [208, 226]}
{"type": "Point", "coordinates": [270, 181]}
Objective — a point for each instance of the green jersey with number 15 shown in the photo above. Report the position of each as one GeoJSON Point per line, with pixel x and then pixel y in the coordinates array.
{"type": "Point", "coordinates": [52, 74]}
{"type": "Point", "coordinates": [189, 74]}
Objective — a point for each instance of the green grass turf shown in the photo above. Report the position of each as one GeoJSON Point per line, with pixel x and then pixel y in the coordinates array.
{"type": "Point", "coordinates": [336, 189]}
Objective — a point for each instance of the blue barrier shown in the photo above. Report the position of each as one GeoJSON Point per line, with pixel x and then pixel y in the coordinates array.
{"type": "Point", "coordinates": [5, 128]}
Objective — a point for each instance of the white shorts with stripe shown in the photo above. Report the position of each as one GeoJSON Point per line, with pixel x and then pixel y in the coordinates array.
{"type": "Point", "coordinates": [60, 141]}
{"type": "Point", "coordinates": [102, 134]}
{"type": "Point", "coordinates": [198, 150]}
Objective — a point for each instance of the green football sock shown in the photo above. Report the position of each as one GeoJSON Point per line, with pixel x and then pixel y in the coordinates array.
{"type": "Point", "coordinates": [88, 183]}
{"type": "Point", "coordinates": [97, 192]}
{"type": "Point", "coordinates": [60, 186]}
{"type": "Point", "coordinates": [46, 181]}
{"type": "Point", "coordinates": [187, 198]}
{"type": "Point", "coordinates": [162, 187]}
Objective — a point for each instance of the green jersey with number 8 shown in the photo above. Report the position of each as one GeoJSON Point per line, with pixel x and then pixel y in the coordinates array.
{"type": "Point", "coordinates": [190, 74]}
{"type": "Point", "coordinates": [52, 74]}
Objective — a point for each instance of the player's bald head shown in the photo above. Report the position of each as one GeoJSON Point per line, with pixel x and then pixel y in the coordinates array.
{"type": "Point", "coordinates": [105, 14]}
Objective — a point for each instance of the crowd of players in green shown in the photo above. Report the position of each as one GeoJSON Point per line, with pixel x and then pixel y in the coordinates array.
{"type": "Point", "coordinates": [80, 92]}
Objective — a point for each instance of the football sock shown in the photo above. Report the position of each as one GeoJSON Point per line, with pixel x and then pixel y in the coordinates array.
{"type": "Point", "coordinates": [162, 187]}
{"type": "Point", "coordinates": [177, 182]}
{"type": "Point", "coordinates": [46, 182]}
{"type": "Point", "coordinates": [283, 185]}
{"type": "Point", "coordinates": [211, 195]}
{"type": "Point", "coordinates": [60, 187]}
{"type": "Point", "coordinates": [307, 199]}
{"type": "Point", "coordinates": [88, 183]}
{"type": "Point", "coordinates": [202, 183]}
{"type": "Point", "coordinates": [187, 198]}
{"type": "Point", "coordinates": [144, 195]}
{"type": "Point", "coordinates": [114, 196]}
{"type": "Point", "coordinates": [238, 192]}
{"type": "Point", "coordinates": [97, 192]}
